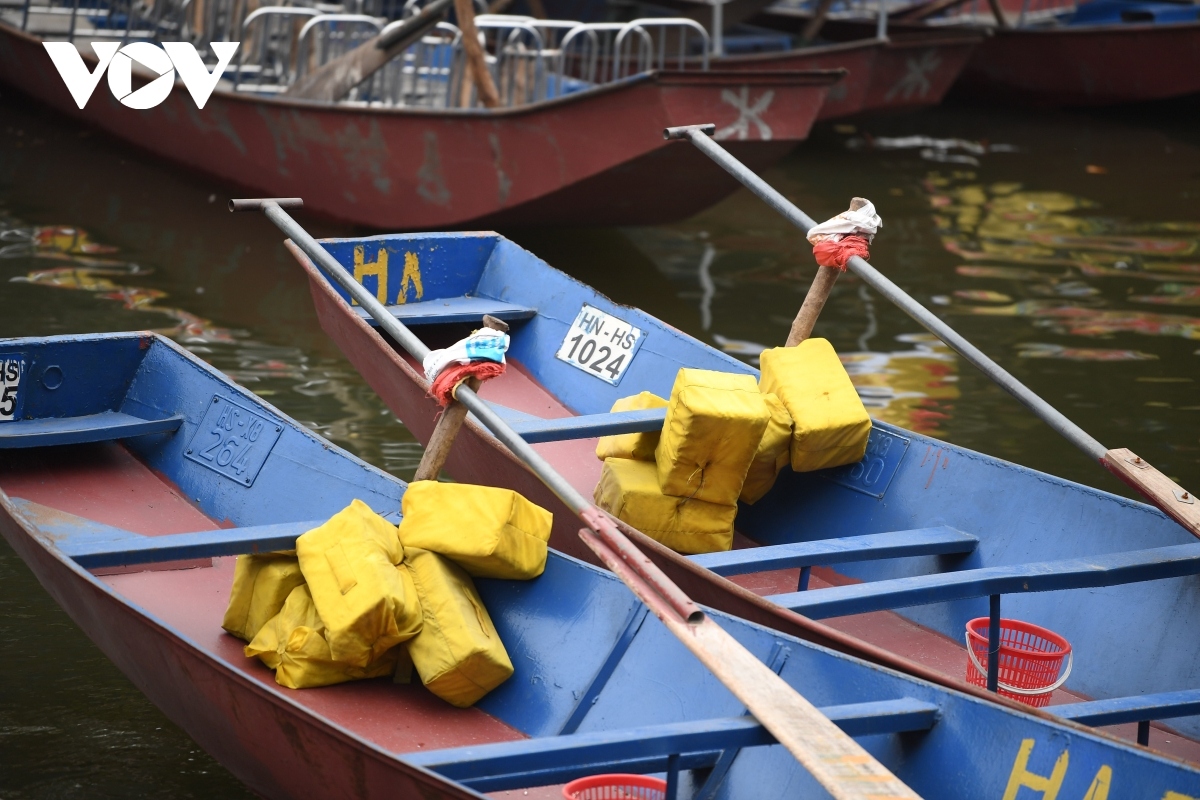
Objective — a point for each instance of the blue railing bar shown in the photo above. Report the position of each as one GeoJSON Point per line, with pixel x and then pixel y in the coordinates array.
{"type": "Point", "coordinates": [588, 426]}
{"type": "Point", "coordinates": [530, 755]}
{"type": "Point", "coordinates": [823, 552]}
{"type": "Point", "coordinates": [1111, 569]}
{"type": "Point", "coordinates": [1145, 707]}
{"type": "Point", "coordinates": [135, 549]}
{"type": "Point", "coordinates": [448, 310]}
{"type": "Point", "coordinates": [103, 427]}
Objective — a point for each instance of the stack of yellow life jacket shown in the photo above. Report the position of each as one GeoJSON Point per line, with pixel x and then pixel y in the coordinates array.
{"type": "Point", "coordinates": [356, 587]}
{"type": "Point", "coordinates": [725, 439]}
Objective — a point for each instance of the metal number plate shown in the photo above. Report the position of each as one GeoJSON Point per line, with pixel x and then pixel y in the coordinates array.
{"type": "Point", "coordinates": [600, 344]}
{"type": "Point", "coordinates": [874, 473]}
{"type": "Point", "coordinates": [13, 369]}
{"type": "Point", "coordinates": [233, 441]}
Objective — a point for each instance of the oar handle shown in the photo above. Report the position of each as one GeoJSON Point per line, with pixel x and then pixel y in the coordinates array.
{"type": "Point", "coordinates": [421, 22]}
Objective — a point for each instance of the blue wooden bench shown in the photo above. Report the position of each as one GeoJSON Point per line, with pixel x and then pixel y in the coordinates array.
{"type": "Point", "coordinates": [448, 310]}
{"type": "Point", "coordinates": [895, 544]}
{"type": "Point", "coordinates": [557, 759]}
{"type": "Point", "coordinates": [1077, 573]}
{"type": "Point", "coordinates": [1139, 708]}
{"type": "Point", "coordinates": [103, 427]}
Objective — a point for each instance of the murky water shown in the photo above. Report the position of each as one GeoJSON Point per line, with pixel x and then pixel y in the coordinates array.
{"type": "Point", "coordinates": [1066, 246]}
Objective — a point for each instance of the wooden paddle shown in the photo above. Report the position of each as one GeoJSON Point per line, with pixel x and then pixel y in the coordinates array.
{"type": "Point", "coordinates": [1172, 499]}
{"type": "Point", "coordinates": [816, 23]}
{"type": "Point", "coordinates": [333, 81]}
{"type": "Point", "coordinates": [448, 425]}
{"type": "Point", "coordinates": [840, 764]}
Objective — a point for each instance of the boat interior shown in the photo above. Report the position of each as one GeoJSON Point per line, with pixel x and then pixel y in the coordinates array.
{"type": "Point", "coordinates": [121, 468]}
{"type": "Point", "coordinates": [901, 550]}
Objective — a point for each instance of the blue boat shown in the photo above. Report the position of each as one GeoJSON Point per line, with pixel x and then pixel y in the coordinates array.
{"type": "Point", "coordinates": [132, 472]}
{"type": "Point", "coordinates": [912, 543]}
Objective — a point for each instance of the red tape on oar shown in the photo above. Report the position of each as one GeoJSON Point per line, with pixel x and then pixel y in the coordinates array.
{"type": "Point", "coordinates": [443, 386]}
{"type": "Point", "coordinates": [838, 254]}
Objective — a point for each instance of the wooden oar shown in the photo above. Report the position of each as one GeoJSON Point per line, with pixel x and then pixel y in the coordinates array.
{"type": "Point", "coordinates": [333, 81]}
{"type": "Point", "coordinates": [448, 425]}
{"type": "Point", "coordinates": [1177, 503]}
{"type": "Point", "coordinates": [840, 764]}
{"type": "Point", "coordinates": [816, 23]}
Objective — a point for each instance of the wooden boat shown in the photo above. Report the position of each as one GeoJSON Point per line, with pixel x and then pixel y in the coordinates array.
{"type": "Point", "coordinates": [591, 157]}
{"type": "Point", "coordinates": [902, 72]}
{"type": "Point", "coordinates": [922, 532]}
{"type": "Point", "coordinates": [1067, 62]}
{"type": "Point", "coordinates": [116, 494]}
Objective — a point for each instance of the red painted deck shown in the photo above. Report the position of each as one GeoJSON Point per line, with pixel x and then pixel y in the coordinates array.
{"type": "Point", "coordinates": [595, 157]}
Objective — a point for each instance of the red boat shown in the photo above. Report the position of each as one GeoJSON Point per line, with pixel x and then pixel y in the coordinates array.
{"type": "Point", "coordinates": [591, 157]}
{"type": "Point", "coordinates": [903, 72]}
{"type": "Point", "coordinates": [1086, 65]}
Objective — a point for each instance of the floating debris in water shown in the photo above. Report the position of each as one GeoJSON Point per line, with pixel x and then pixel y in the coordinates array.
{"type": "Point", "coordinates": [1038, 350]}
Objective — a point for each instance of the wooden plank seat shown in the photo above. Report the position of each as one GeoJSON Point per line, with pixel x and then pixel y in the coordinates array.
{"type": "Point", "coordinates": [557, 759]}
{"type": "Point", "coordinates": [103, 427]}
{"type": "Point", "coordinates": [1138, 708]}
{"type": "Point", "coordinates": [1047, 576]}
{"type": "Point", "coordinates": [535, 429]}
{"type": "Point", "coordinates": [894, 544]}
{"type": "Point", "coordinates": [94, 545]}
{"type": "Point", "coordinates": [449, 310]}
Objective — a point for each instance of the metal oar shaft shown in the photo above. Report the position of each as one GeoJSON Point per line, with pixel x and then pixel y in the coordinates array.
{"type": "Point", "coordinates": [880, 283]}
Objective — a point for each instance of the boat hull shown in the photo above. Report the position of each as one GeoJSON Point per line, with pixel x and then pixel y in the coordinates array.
{"type": "Point", "coordinates": [903, 73]}
{"type": "Point", "coordinates": [1092, 66]}
{"type": "Point", "coordinates": [421, 169]}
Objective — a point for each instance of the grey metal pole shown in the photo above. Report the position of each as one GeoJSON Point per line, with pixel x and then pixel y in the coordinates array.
{"type": "Point", "coordinates": [699, 135]}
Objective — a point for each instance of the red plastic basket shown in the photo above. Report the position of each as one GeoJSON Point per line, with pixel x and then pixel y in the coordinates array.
{"type": "Point", "coordinates": [616, 787]}
{"type": "Point", "coordinates": [1030, 660]}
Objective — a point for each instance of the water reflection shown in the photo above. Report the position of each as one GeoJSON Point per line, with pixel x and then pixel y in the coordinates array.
{"type": "Point", "coordinates": [359, 423]}
{"type": "Point", "coordinates": [1003, 222]}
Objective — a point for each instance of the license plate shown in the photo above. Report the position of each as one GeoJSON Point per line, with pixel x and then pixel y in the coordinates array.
{"type": "Point", "coordinates": [233, 441]}
{"type": "Point", "coordinates": [12, 372]}
{"type": "Point", "coordinates": [600, 344]}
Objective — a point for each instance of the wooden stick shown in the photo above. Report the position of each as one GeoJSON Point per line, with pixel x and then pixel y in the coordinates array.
{"type": "Point", "coordinates": [998, 13]}
{"type": "Point", "coordinates": [818, 293]}
{"type": "Point", "coordinates": [476, 66]}
{"type": "Point", "coordinates": [840, 764]}
{"type": "Point", "coordinates": [448, 425]}
{"type": "Point", "coordinates": [1175, 501]}
{"type": "Point", "coordinates": [920, 11]}
{"type": "Point", "coordinates": [334, 80]}
{"type": "Point", "coordinates": [817, 22]}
